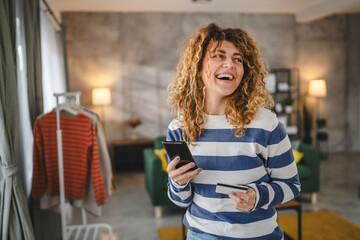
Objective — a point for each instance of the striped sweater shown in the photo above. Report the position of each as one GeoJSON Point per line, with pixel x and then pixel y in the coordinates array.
{"type": "Point", "coordinates": [80, 157]}
{"type": "Point", "coordinates": [261, 159]}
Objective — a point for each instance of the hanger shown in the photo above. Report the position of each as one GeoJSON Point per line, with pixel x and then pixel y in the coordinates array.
{"type": "Point", "coordinates": [68, 108]}
{"type": "Point", "coordinates": [75, 106]}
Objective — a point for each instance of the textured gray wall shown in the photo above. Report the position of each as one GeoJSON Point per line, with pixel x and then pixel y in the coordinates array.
{"type": "Point", "coordinates": [353, 83]}
{"type": "Point", "coordinates": [136, 55]}
{"type": "Point", "coordinates": [321, 54]}
{"type": "Point", "coordinates": [330, 49]}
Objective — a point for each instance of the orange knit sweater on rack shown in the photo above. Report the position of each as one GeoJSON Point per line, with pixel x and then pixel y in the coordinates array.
{"type": "Point", "coordinates": [80, 157]}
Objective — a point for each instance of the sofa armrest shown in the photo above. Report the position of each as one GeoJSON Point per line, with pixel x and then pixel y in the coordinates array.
{"type": "Point", "coordinates": [311, 157]}
{"type": "Point", "coordinates": [158, 142]}
{"type": "Point", "coordinates": [311, 160]}
{"type": "Point", "coordinates": [155, 178]}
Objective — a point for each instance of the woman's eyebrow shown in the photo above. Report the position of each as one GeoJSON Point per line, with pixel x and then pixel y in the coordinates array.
{"type": "Point", "coordinates": [222, 51]}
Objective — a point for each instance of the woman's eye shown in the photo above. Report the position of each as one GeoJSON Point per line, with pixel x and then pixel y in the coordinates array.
{"type": "Point", "coordinates": [238, 60]}
{"type": "Point", "coordinates": [217, 56]}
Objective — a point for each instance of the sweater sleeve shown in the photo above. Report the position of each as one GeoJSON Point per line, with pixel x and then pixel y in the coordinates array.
{"type": "Point", "coordinates": [104, 159]}
{"type": "Point", "coordinates": [284, 184]}
{"type": "Point", "coordinates": [96, 177]}
{"type": "Point", "coordinates": [181, 195]}
{"type": "Point", "coordinates": [39, 176]}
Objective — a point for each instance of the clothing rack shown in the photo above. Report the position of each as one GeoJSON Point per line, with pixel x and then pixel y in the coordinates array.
{"type": "Point", "coordinates": [67, 231]}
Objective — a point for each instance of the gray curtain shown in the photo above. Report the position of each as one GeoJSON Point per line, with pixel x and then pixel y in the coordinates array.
{"type": "Point", "coordinates": [33, 57]}
{"type": "Point", "coordinates": [14, 215]}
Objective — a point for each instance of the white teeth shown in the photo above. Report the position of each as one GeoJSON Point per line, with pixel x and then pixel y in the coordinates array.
{"type": "Point", "coordinates": [231, 77]}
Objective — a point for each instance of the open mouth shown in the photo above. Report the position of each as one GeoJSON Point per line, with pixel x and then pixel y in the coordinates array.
{"type": "Point", "coordinates": [227, 77]}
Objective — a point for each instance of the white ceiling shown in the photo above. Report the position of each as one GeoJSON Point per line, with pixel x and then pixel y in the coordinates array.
{"type": "Point", "coordinates": [304, 10]}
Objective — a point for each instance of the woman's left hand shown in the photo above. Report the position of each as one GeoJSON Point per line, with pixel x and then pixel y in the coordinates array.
{"type": "Point", "coordinates": [244, 202]}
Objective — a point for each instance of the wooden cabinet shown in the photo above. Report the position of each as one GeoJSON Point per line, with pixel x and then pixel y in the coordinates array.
{"type": "Point", "coordinates": [128, 154]}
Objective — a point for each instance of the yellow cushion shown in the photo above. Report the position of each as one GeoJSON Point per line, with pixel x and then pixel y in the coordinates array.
{"type": "Point", "coordinates": [162, 155]}
{"type": "Point", "coordinates": [297, 155]}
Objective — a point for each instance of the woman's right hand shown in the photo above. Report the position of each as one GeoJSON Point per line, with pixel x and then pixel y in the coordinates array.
{"type": "Point", "coordinates": [180, 175]}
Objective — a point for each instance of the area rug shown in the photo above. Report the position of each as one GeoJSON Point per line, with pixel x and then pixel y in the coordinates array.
{"type": "Point", "coordinates": [315, 226]}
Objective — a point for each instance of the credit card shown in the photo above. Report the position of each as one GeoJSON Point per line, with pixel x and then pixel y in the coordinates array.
{"type": "Point", "coordinates": [227, 188]}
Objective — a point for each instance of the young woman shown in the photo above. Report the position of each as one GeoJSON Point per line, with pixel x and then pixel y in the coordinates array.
{"type": "Point", "coordinates": [222, 105]}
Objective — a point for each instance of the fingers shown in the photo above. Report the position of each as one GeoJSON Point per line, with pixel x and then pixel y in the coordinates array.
{"type": "Point", "coordinates": [239, 197]}
{"type": "Point", "coordinates": [174, 172]}
{"type": "Point", "coordinates": [241, 204]}
{"type": "Point", "coordinates": [244, 202]}
{"type": "Point", "coordinates": [186, 177]}
{"type": "Point", "coordinates": [173, 163]}
{"type": "Point", "coordinates": [181, 175]}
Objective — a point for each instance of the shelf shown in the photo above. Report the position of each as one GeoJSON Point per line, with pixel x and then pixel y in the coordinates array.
{"type": "Point", "coordinates": [283, 83]}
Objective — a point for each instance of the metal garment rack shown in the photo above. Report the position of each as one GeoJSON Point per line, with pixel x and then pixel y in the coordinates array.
{"type": "Point", "coordinates": [86, 229]}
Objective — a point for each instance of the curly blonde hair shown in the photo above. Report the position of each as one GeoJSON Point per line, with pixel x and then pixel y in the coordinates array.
{"type": "Point", "coordinates": [187, 91]}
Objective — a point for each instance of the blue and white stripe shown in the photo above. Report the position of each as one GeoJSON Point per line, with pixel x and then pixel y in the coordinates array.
{"type": "Point", "coordinates": [262, 159]}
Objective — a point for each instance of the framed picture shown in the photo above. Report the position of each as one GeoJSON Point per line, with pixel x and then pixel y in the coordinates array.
{"type": "Point", "coordinates": [292, 130]}
{"type": "Point", "coordinates": [283, 86]}
{"type": "Point", "coordinates": [279, 108]}
{"type": "Point", "coordinates": [271, 83]}
{"type": "Point", "coordinates": [283, 120]}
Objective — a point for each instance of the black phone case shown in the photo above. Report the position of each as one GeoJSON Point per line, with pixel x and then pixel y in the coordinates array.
{"type": "Point", "coordinates": [177, 148]}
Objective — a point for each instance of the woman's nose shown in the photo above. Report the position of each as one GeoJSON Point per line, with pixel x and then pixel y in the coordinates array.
{"type": "Point", "coordinates": [228, 63]}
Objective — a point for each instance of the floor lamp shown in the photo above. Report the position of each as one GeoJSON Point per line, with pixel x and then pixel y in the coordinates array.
{"type": "Point", "coordinates": [101, 97]}
{"type": "Point", "coordinates": [317, 89]}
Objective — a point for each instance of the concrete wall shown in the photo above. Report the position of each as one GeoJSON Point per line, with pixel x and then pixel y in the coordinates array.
{"type": "Point", "coordinates": [321, 54]}
{"type": "Point", "coordinates": [353, 82]}
{"type": "Point", "coordinates": [136, 54]}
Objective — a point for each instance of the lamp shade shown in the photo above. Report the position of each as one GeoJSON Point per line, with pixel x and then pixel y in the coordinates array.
{"type": "Point", "coordinates": [317, 88]}
{"type": "Point", "coordinates": [101, 96]}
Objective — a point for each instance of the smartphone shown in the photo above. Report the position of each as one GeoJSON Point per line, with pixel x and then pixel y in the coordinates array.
{"type": "Point", "coordinates": [181, 149]}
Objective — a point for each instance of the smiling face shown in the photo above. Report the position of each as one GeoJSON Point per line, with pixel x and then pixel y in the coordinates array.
{"type": "Point", "coordinates": [222, 70]}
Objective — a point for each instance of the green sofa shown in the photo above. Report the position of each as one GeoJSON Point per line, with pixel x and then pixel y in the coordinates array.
{"type": "Point", "coordinates": [155, 178]}
{"type": "Point", "coordinates": [309, 170]}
